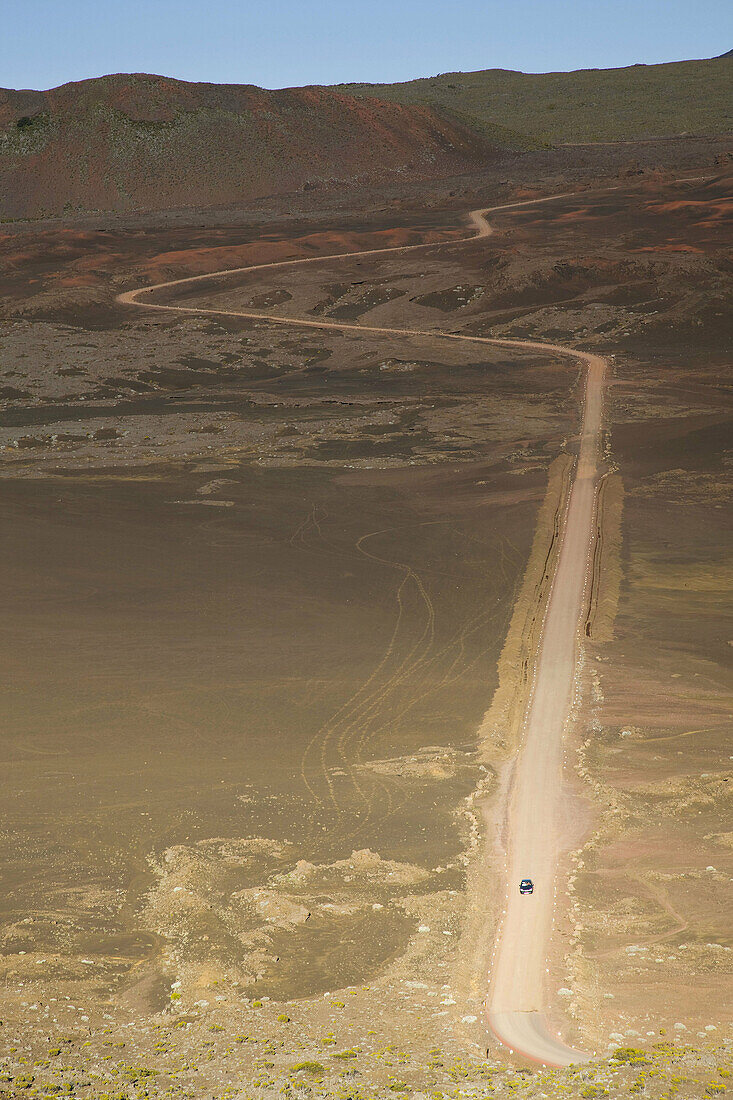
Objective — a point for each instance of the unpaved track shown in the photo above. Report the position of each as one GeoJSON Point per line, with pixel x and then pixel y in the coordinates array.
{"type": "Point", "coordinates": [518, 987]}
{"type": "Point", "coordinates": [518, 992]}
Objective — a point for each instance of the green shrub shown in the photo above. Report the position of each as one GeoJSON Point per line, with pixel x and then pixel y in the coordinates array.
{"type": "Point", "coordinates": [630, 1055]}
{"type": "Point", "coordinates": [310, 1067]}
{"type": "Point", "coordinates": [31, 122]}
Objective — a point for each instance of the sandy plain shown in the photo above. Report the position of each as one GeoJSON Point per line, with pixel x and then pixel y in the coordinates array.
{"type": "Point", "coordinates": [288, 577]}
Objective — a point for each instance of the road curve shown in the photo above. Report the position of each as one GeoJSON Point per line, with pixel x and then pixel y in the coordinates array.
{"type": "Point", "coordinates": [517, 992]}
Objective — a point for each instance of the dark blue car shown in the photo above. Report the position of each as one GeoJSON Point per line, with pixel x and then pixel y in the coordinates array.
{"type": "Point", "coordinates": [526, 886]}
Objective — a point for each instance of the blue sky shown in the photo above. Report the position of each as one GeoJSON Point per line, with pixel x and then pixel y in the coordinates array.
{"type": "Point", "coordinates": [279, 43]}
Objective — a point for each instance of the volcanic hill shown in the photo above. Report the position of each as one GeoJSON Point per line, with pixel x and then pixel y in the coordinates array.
{"type": "Point", "coordinates": [139, 142]}
{"type": "Point", "coordinates": [588, 105]}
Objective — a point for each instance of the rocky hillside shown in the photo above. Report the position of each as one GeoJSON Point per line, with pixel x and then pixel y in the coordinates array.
{"type": "Point", "coordinates": [590, 105]}
{"type": "Point", "coordinates": [141, 142]}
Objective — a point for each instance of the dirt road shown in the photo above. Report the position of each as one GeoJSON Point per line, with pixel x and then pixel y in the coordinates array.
{"type": "Point", "coordinates": [518, 988]}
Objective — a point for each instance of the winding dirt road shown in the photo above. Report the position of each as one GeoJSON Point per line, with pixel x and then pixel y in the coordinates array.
{"type": "Point", "coordinates": [518, 988]}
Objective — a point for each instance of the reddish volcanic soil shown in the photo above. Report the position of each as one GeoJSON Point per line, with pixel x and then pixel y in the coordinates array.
{"type": "Point", "coordinates": [133, 142]}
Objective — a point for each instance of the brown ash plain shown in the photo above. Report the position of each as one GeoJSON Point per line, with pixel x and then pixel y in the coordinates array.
{"type": "Point", "coordinates": [258, 585]}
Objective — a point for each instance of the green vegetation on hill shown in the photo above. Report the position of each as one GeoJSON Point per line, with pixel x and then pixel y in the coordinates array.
{"type": "Point", "coordinates": [683, 97]}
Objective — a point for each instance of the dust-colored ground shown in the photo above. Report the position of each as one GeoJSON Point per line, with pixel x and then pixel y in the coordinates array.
{"type": "Point", "coordinates": [659, 701]}
{"type": "Point", "coordinates": [257, 590]}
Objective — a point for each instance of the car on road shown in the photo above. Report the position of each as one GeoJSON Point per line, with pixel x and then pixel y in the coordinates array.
{"type": "Point", "coordinates": [526, 886]}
